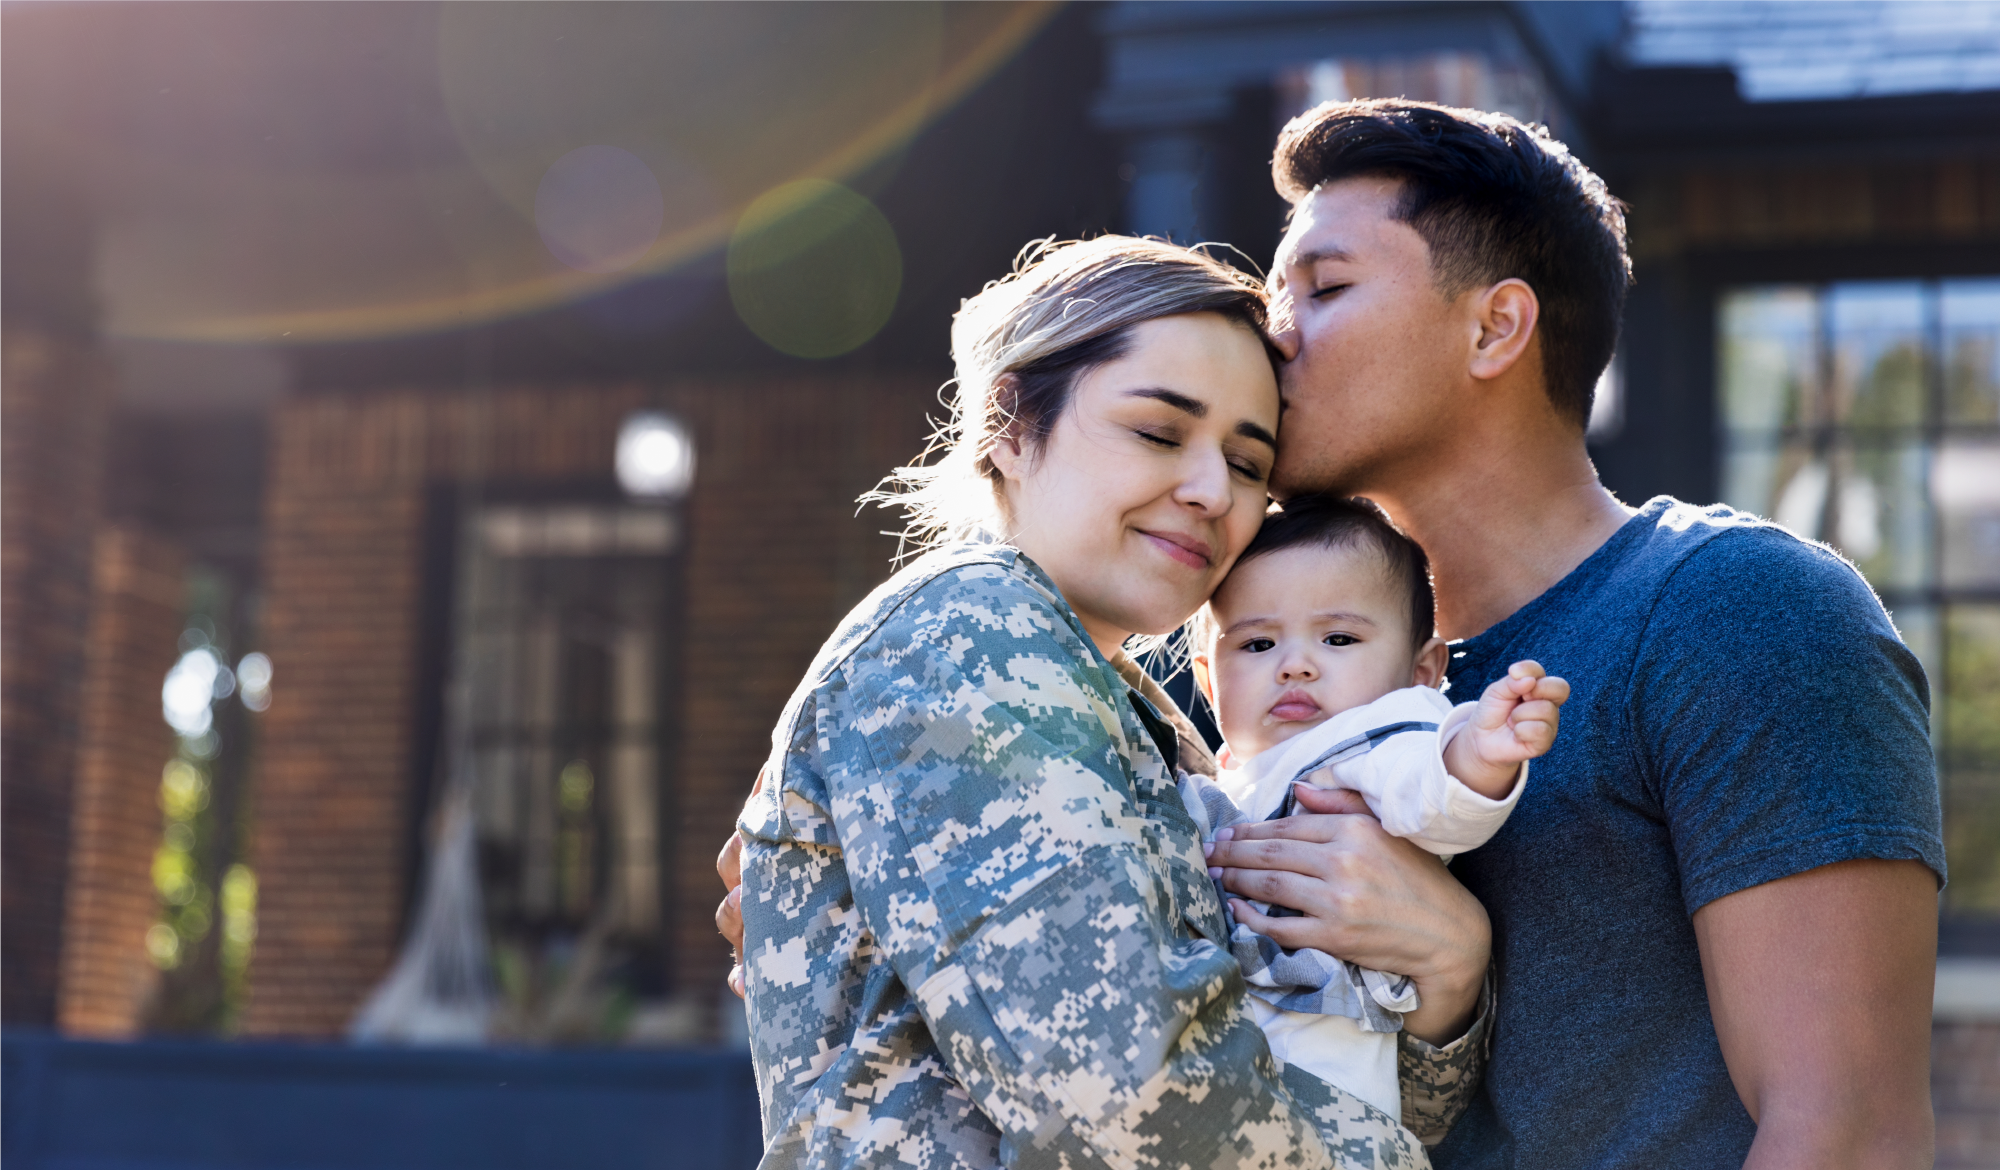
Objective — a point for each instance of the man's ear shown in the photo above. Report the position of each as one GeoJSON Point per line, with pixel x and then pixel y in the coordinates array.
{"type": "Point", "coordinates": [1201, 664]}
{"type": "Point", "coordinates": [1507, 314]}
{"type": "Point", "coordinates": [1431, 663]}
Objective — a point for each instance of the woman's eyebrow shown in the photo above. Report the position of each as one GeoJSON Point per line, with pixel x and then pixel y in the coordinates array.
{"type": "Point", "coordinates": [1173, 398]}
{"type": "Point", "coordinates": [1197, 408]}
{"type": "Point", "coordinates": [1251, 430]}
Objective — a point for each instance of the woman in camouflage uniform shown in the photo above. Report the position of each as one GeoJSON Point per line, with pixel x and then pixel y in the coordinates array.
{"type": "Point", "coordinates": [977, 926]}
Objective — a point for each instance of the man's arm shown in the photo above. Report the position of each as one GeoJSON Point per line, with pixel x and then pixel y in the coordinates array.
{"type": "Point", "coordinates": [1821, 987]}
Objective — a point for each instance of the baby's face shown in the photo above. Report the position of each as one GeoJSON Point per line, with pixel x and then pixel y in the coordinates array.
{"type": "Point", "coordinates": [1307, 633]}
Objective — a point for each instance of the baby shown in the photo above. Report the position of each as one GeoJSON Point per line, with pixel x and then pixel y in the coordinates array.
{"type": "Point", "coordinates": [1317, 656]}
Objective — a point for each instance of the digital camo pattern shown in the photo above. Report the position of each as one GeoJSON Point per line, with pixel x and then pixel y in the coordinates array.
{"type": "Point", "coordinates": [1437, 1083]}
{"type": "Point", "coordinates": [978, 928]}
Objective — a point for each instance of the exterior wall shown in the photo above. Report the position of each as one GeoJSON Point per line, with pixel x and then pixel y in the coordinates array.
{"type": "Point", "coordinates": [774, 558]}
{"type": "Point", "coordinates": [107, 976]}
{"type": "Point", "coordinates": [52, 397]}
{"type": "Point", "coordinates": [1966, 1095]}
{"type": "Point", "coordinates": [1753, 206]}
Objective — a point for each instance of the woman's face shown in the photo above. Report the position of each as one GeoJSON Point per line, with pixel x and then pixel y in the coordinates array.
{"type": "Point", "coordinates": [1153, 478]}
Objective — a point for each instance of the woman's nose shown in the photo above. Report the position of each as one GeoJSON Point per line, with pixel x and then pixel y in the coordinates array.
{"type": "Point", "coordinates": [1205, 484]}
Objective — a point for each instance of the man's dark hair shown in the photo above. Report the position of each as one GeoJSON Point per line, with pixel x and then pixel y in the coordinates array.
{"type": "Point", "coordinates": [1323, 521]}
{"type": "Point", "coordinates": [1493, 199]}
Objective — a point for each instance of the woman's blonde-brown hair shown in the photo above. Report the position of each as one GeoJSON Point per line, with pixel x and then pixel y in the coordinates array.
{"type": "Point", "coordinates": [1018, 349]}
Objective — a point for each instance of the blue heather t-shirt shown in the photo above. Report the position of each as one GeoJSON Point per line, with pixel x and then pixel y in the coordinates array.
{"type": "Point", "coordinates": [1741, 710]}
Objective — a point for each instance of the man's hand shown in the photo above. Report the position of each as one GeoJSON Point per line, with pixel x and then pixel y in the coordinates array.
{"type": "Point", "coordinates": [729, 915]}
{"type": "Point", "coordinates": [1367, 897]}
{"type": "Point", "coordinates": [1821, 988]}
{"type": "Point", "coordinates": [1514, 721]}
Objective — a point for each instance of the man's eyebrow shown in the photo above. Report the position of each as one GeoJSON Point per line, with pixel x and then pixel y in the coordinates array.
{"type": "Point", "coordinates": [1173, 398]}
{"type": "Point", "coordinates": [1309, 259]}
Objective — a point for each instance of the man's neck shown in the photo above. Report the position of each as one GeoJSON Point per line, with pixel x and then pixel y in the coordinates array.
{"type": "Point", "coordinates": [1504, 515]}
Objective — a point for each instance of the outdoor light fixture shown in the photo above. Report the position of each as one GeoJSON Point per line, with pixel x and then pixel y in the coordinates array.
{"type": "Point", "coordinates": [656, 456]}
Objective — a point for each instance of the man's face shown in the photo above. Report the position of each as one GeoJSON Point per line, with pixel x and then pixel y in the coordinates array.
{"type": "Point", "coordinates": [1377, 350]}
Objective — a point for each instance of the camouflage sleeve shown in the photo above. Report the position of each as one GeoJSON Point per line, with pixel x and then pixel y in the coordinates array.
{"type": "Point", "coordinates": [1008, 867]}
{"type": "Point", "coordinates": [1439, 1083]}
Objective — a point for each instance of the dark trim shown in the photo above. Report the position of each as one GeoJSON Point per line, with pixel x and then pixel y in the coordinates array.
{"type": "Point", "coordinates": [1876, 260]}
{"type": "Point", "coordinates": [1680, 115]}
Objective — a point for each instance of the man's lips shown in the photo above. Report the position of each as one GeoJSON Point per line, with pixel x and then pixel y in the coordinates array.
{"type": "Point", "coordinates": [1293, 706]}
{"type": "Point", "coordinates": [1189, 550]}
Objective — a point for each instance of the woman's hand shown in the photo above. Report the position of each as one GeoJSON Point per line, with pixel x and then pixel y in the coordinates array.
{"type": "Point", "coordinates": [1367, 897]}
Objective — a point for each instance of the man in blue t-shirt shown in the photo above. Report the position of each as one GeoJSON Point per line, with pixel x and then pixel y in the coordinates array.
{"type": "Point", "coordinates": [1714, 910]}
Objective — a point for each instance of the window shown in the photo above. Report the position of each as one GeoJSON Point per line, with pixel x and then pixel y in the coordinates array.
{"type": "Point", "coordinates": [1864, 414]}
{"type": "Point", "coordinates": [562, 617]}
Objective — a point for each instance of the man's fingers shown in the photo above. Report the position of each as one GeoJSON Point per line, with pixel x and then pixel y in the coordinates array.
{"type": "Point", "coordinates": [729, 863]}
{"type": "Point", "coordinates": [729, 918]}
{"type": "Point", "coordinates": [736, 980]}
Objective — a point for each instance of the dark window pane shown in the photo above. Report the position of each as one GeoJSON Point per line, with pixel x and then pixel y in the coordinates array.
{"type": "Point", "coordinates": [1969, 762]}
{"type": "Point", "coordinates": [1970, 317]}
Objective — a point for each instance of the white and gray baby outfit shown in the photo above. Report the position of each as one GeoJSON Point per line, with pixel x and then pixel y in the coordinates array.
{"type": "Point", "coordinates": [1332, 1018]}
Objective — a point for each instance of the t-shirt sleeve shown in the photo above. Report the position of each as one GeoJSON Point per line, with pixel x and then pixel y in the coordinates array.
{"type": "Point", "coordinates": [1780, 720]}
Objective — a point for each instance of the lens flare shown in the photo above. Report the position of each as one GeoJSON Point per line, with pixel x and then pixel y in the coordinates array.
{"type": "Point", "coordinates": [814, 269]}
{"type": "Point", "coordinates": [599, 209]}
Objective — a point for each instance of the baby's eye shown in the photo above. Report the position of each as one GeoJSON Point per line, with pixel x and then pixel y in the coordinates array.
{"type": "Point", "coordinates": [1259, 645]}
{"type": "Point", "coordinates": [1339, 639]}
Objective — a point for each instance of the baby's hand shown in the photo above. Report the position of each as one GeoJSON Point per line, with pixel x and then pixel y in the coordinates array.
{"type": "Point", "coordinates": [1514, 721]}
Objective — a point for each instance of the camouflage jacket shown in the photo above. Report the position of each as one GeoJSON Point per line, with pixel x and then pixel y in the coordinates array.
{"type": "Point", "coordinates": [978, 927]}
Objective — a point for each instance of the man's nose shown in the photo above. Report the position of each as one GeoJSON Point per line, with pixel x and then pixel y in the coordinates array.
{"type": "Point", "coordinates": [1287, 341]}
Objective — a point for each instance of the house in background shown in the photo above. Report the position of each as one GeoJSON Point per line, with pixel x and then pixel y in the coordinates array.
{"type": "Point", "coordinates": [316, 366]}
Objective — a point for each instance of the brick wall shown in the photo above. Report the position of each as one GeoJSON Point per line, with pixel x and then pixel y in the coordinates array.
{"type": "Point", "coordinates": [1966, 1095]}
{"type": "Point", "coordinates": [52, 414]}
{"type": "Point", "coordinates": [775, 555]}
{"type": "Point", "coordinates": [107, 976]}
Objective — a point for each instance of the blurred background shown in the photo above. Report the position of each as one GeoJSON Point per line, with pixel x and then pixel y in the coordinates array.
{"type": "Point", "coordinates": [431, 437]}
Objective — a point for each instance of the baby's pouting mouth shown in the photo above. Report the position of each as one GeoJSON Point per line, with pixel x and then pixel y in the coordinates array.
{"type": "Point", "coordinates": [1292, 706]}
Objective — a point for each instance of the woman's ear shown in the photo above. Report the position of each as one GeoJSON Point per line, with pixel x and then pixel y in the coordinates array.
{"type": "Point", "coordinates": [1009, 455]}
{"type": "Point", "coordinates": [1201, 664]}
{"type": "Point", "coordinates": [1431, 663]}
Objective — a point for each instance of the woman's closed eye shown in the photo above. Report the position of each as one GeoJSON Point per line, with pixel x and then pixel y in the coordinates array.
{"type": "Point", "coordinates": [1250, 469]}
{"type": "Point", "coordinates": [1329, 290]}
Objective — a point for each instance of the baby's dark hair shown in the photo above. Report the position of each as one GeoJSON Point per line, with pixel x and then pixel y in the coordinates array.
{"type": "Point", "coordinates": [1325, 521]}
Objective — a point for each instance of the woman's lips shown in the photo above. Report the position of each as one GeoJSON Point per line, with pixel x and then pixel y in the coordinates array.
{"type": "Point", "coordinates": [1188, 550]}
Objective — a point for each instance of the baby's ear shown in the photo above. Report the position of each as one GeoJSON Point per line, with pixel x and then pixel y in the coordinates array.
{"type": "Point", "coordinates": [1429, 670]}
{"type": "Point", "coordinates": [1201, 664]}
